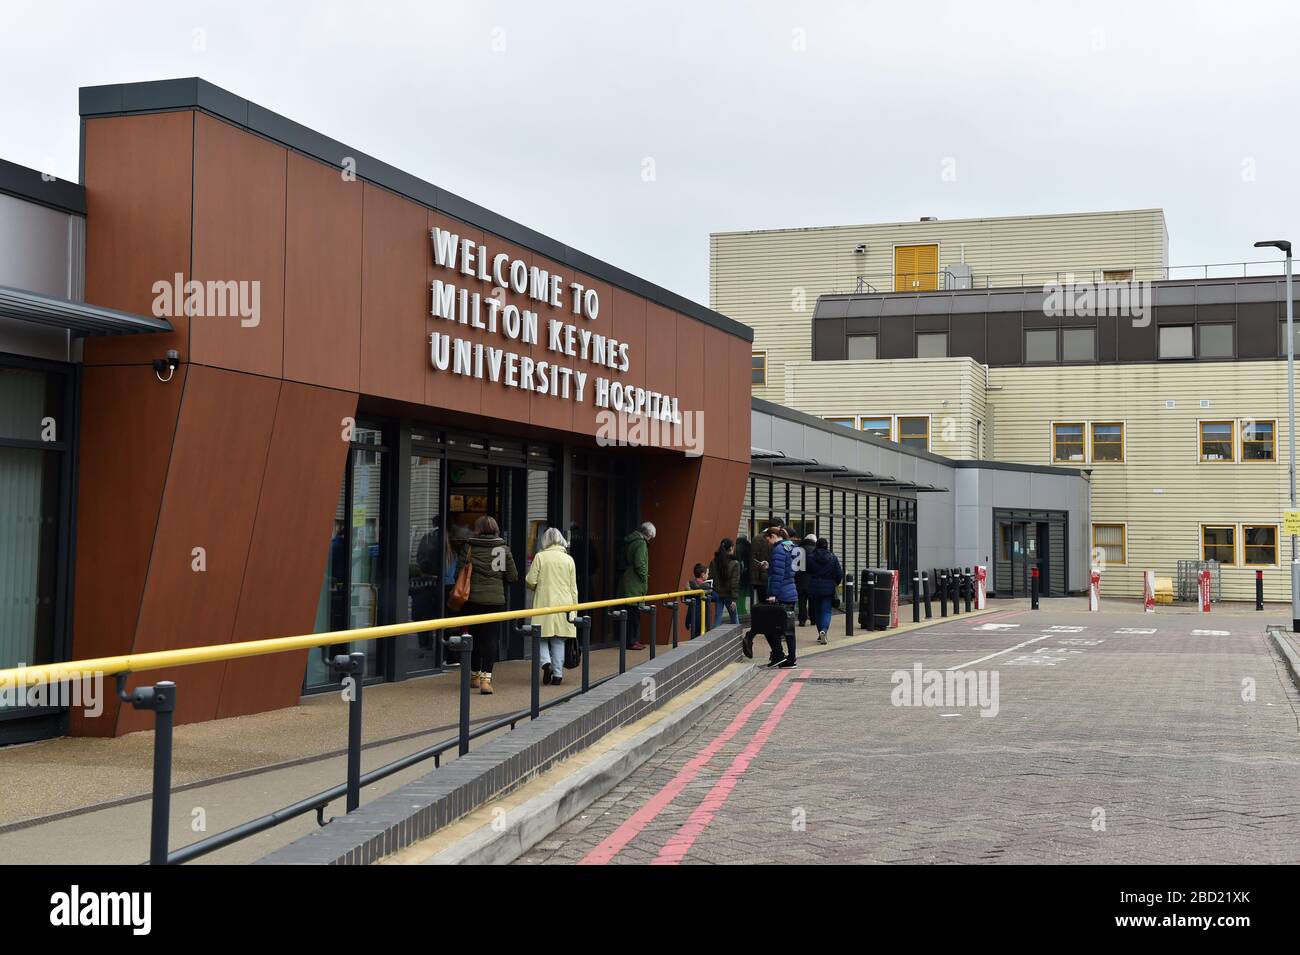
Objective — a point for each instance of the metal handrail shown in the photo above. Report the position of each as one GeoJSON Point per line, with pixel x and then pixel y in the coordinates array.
{"type": "Point", "coordinates": [350, 668]}
{"type": "Point", "coordinates": [867, 282]}
{"type": "Point", "coordinates": [22, 677]}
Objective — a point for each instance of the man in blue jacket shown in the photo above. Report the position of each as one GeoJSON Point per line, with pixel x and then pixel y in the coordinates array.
{"type": "Point", "coordinates": [781, 590]}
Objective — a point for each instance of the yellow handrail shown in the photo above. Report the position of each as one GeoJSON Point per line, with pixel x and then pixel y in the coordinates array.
{"type": "Point", "coordinates": [47, 673]}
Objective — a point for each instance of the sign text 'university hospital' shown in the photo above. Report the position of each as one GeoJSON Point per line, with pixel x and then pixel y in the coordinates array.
{"type": "Point", "coordinates": [495, 314]}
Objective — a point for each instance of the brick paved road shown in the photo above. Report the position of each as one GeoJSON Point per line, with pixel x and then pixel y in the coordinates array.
{"type": "Point", "coordinates": [1106, 746]}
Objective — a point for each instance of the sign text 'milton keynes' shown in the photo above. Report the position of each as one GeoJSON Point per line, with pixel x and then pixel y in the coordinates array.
{"type": "Point", "coordinates": [495, 313]}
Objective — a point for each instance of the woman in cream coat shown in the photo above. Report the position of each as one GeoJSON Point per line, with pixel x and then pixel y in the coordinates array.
{"type": "Point", "coordinates": [553, 578]}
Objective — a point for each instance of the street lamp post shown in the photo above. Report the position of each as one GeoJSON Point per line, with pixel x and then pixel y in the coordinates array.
{"type": "Point", "coordinates": [1285, 246]}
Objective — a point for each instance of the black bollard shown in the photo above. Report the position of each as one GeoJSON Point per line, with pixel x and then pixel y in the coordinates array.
{"type": "Point", "coordinates": [533, 630]}
{"type": "Point", "coordinates": [848, 606]}
{"type": "Point", "coordinates": [968, 587]}
{"type": "Point", "coordinates": [1259, 590]}
{"type": "Point", "coordinates": [916, 597]}
{"type": "Point", "coordinates": [654, 626]}
{"type": "Point", "coordinates": [943, 593]}
{"type": "Point", "coordinates": [1033, 589]}
{"type": "Point", "coordinates": [926, 595]}
{"type": "Point", "coordinates": [869, 620]}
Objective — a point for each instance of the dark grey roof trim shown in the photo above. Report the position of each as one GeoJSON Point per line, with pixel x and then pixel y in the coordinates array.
{"type": "Point", "coordinates": [789, 414]}
{"type": "Point", "coordinates": [77, 317]}
{"type": "Point", "coordinates": [24, 183]}
{"type": "Point", "coordinates": [1029, 468]}
{"type": "Point", "coordinates": [812, 421]}
{"type": "Point", "coordinates": [195, 93]}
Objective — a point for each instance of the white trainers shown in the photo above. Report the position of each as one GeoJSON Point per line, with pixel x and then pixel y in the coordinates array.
{"type": "Point", "coordinates": [821, 636]}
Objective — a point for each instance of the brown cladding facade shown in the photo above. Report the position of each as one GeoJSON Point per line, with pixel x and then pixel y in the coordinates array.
{"type": "Point", "coordinates": [233, 466]}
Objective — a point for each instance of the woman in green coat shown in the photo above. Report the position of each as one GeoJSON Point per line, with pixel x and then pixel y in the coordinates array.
{"type": "Point", "coordinates": [553, 578]}
{"type": "Point", "coordinates": [494, 567]}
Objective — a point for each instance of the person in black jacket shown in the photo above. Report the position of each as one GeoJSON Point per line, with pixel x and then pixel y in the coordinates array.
{"type": "Point", "coordinates": [802, 553]}
{"type": "Point", "coordinates": [824, 575]}
{"type": "Point", "coordinates": [742, 558]}
{"type": "Point", "coordinates": [725, 571]}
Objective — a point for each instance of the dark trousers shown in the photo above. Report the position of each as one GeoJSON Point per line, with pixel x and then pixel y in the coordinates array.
{"type": "Point", "coordinates": [483, 655]}
{"type": "Point", "coordinates": [775, 642]}
{"type": "Point", "coordinates": [805, 612]}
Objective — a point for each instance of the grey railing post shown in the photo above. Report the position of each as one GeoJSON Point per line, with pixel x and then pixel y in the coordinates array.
{"type": "Point", "coordinates": [352, 666]}
{"type": "Point", "coordinates": [464, 643]}
{"type": "Point", "coordinates": [161, 700]}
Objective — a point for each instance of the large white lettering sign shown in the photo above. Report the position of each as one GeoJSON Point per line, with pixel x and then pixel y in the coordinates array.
{"type": "Point", "coordinates": [583, 359]}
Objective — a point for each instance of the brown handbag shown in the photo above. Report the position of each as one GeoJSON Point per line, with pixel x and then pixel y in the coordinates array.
{"type": "Point", "coordinates": [460, 593]}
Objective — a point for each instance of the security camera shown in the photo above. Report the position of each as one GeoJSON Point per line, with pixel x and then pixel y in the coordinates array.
{"type": "Point", "coordinates": [167, 366]}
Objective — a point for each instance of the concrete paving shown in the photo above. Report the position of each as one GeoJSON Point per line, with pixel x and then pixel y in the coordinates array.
{"type": "Point", "coordinates": [1113, 737]}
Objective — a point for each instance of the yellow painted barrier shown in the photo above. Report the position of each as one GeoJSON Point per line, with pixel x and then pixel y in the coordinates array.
{"type": "Point", "coordinates": [140, 662]}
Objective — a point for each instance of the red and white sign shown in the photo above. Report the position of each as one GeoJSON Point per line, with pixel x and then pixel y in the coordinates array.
{"type": "Point", "coordinates": [1149, 591]}
{"type": "Point", "coordinates": [1094, 591]}
{"type": "Point", "coordinates": [981, 586]}
{"type": "Point", "coordinates": [893, 598]}
{"type": "Point", "coordinates": [1204, 586]}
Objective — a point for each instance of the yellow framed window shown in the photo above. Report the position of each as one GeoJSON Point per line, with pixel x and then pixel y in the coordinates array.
{"type": "Point", "coordinates": [758, 368]}
{"type": "Point", "coordinates": [1216, 441]}
{"type": "Point", "coordinates": [1112, 542]}
{"type": "Point", "coordinates": [1259, 544]}
{"type": "Point", "coordinates": [1067, 443]}
{"type": "Point", "coordinates": [1108, 441]}
{"type": "Point", "coordinates": [1259, 440]}
{"type": "Point", "coordinates": [1219, 542]}
{"type": "Point", "coordinates": [914, 431]}
{"type": "Point", "coordinates": [881, 427]}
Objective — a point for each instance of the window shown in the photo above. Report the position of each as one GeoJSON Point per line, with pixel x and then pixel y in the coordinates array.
{"type": "Point", "coordinates": [1117, 275]}
{"type": "Point", "coordinates": [1078, 344]}
{"type": "Point", "coordinates": [846, 422]}
{"type": "Point", "coordinates": [1067, 443]}
{"type": "Point", "coordinates": [1216, 441]}
{"type": "Point", "coordinates": [1108, 441]}
{"type": "Point", "coordinates": [862, 346]}
{"type": "Point", "coordinates": [1219, 543]}
{"type": "Point", "coordinates": [1111, 540]}
{"type": "Point", "coordinates": [932, 345]}
{"type": "Point", "coordinates": [1258, 440]}
{"type": "Point", "coordinates": [1176, 341]}
{"type": "Point", "coordinates": [1216, 341]}
{"type": "Point", "coordinates": [758, 375]}
{"type": "Point", "coordinates": [1040, 345]}
{"type": "Point", "coordinates": [914, 432]}
{"type": "Point", "coordinates": [880, 427]}
{"type": "Point", "coordinates": [1260, 541]}
{"type": "Point", "coordinates": [1281, 337]}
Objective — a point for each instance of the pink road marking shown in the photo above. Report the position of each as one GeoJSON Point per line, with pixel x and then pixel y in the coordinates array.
{"type": "Point", "coordinates": [620, 837]}
{"type": "Point", "coordinates": [676, 848]}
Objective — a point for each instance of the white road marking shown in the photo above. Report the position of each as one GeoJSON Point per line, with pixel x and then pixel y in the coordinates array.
{"type": "Point", "coordinates": [1211, 633]}
{"type": "Point", "coordinates": [1063, 629]}
{"type": "Point", "coordinates": [1080, 643]}
{"type": "Point", "coordinates": [962, 666]}
{"type": "Point", "coordinates": [997, 626]}
{"type": "Point", "coordinates": [1136, 630]}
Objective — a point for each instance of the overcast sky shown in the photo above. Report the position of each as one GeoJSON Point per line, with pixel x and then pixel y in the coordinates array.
{"type": "Point", "coordinates": [633, 130]}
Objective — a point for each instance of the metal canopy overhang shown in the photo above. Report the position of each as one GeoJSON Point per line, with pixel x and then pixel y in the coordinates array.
{"type": "Point", "coordinates": [779, 459]}
{"type": "Point", "coordinates": [77, 317]}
